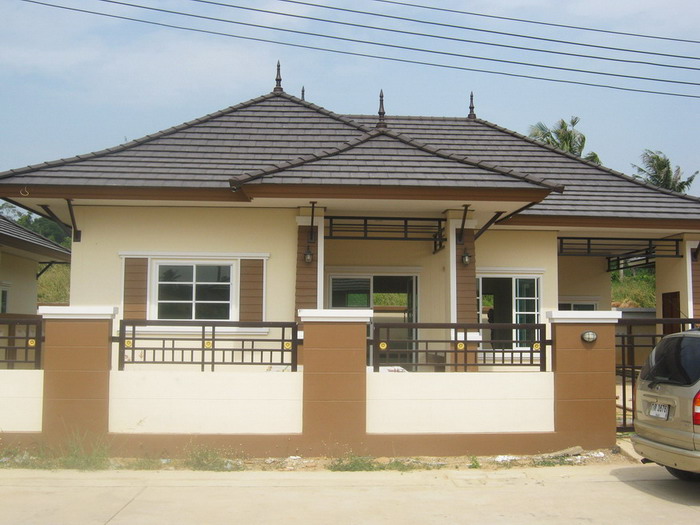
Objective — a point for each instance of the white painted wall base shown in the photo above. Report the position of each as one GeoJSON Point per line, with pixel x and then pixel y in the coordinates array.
{"type": "Point", "coordinates": [21, 400]}
{"type": "Point", "coordinates": [153, 402]}
{"type": "Point", "coordinates": [433, 403]}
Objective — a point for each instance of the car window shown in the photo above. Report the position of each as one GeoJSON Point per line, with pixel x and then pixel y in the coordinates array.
{"type": "Point", "coordinates": [675, 359]}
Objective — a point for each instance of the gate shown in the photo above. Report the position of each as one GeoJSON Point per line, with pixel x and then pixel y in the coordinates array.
{"type": "Point", "coordinates": [635, 339]}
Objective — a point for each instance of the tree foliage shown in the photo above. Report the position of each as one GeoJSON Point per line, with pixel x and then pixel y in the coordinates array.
{"type": "Point", "coordinates": [565, 137]}
{"type": "Point", "coordinates": [656, 169]}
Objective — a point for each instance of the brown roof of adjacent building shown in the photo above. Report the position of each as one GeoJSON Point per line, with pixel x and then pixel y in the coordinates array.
{"type": "Point", "coordinates": [15, 236]}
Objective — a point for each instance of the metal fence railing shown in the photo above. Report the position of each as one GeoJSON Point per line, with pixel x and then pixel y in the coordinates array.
{"type": "Point", "coordinates": [635, 339]}
{"type": "Point", "coordinates": [458, 347]}
{"type": "Point", "coordinates": [21, 339]}
{"type": "Point", "coordinates": [207, 344]}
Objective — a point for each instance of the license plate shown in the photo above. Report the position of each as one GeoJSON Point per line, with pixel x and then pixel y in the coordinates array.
{"type": "Point", "coordinates": [658, 410]}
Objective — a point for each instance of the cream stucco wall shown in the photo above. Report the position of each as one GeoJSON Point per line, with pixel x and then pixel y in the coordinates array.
{"type": "Point", "coordinates": [460, 403]}
{"type": "Point", "coordinates": [21, 400]}
{"type": "Point", "coordinates": [349, 257]}
{"type": "Point", "coordinates": [110, 232]}
{"type": "Point", "coordinates": [585, 279]}
{"type": "Point", "coordinates": [18, 276]}
{"type": "Point", "coordinates": [521, 253]}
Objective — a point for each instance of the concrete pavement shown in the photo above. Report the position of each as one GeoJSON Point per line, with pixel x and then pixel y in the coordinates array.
{"type": "Point", "coordinates": [601, 494]}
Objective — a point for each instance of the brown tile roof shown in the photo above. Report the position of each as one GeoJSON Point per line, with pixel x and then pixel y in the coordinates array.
{"type": "Point", "coordinates": [278, 138]}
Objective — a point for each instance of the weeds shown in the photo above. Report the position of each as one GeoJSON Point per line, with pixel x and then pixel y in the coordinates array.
{"type": "Point", "coordinates": [474, 463]}
{"type": "Point", "coordinates": [353, 463]}
{"type": "Point", "coordinates": [201, 457]}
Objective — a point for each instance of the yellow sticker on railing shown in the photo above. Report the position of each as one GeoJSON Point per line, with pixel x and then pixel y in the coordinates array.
{"type": "Point", "coordinates": [383, 345]}
{"type": "Point", "coordinates": [460, 346]}
{"type": "Point", "coordinates": [287, 345]}
{"type": "Point", "coordinates": [128, 344]}
{"type": "Point", "coordinates": [31, 343]}
{"type": "Point", "coordinates": [536, 346]}
{"type": "Point", "coordinates": [207, 344]}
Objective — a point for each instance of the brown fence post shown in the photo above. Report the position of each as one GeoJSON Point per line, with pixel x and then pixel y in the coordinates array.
{"type": "Point", "coordinates": [76, 359]}
{"type": "Point", "coordinates": [584, 377]}
{"type": "Point", "coordinates": [335, 380]}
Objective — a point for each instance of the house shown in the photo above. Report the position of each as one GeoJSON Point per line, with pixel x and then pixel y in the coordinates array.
{"type": "Point", "coordinates": [21, 254]}
{"type": "Point", "coordinates": [454, 244]}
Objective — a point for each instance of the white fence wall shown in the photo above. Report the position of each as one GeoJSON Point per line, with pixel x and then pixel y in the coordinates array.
{"type": "Point", "coordinates": [205, 403]}
{"type": "Point", "coordinates": [21, 400]}
{"type": "Point", "coordinates": [431, 403]}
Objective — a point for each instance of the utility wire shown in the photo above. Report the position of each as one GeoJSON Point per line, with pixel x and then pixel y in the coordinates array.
{"type": "Point", "coordinates": [442, 37]}
{"type": "Point", "coordinates": [537, 22]}
{"type": "Point", "coordinates": [503, 33]}
{"type": "Point", "coordinates": [402, 47]}
{"type": "Point", "coordinates": [364, 55]}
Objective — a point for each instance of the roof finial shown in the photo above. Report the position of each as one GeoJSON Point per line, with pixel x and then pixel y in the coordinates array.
{"type": "Point", "coordinates": [381, 123]}
{"type": "Point", "coordinates": [302, 93]}
{"type": "Point", "coordinates": [278, 80]}
{"type": "Point", "coordinates": [471, 106]}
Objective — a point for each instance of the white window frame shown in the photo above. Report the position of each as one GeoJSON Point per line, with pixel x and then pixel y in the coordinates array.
{"type": "Point", "coordinates": [156, 263]}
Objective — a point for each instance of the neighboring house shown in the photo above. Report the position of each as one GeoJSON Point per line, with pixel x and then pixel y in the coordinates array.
{"type": "Point", "coordinates": [22, 253]}
{"type": "Point", "coordinates": [275, 209]}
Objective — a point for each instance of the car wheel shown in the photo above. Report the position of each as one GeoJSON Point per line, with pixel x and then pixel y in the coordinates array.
{"type": "Point", "coordinates": [684, 474]}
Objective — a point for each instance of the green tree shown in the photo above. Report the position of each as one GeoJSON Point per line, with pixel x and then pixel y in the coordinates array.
{"type": "Point", "coordinates": [46, 228]}
{"type": "Point", "coordinates": [565, 137]}
{"type": "Point", "coordinates": [656, 169]}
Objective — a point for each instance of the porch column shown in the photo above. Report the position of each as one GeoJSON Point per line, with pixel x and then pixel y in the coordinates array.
{"type": "Point", "coordinates": [335, 380]}
{"type": "Point", "coordinates": [76, 359]}
{"type": "Point", "coordinates": [584, 377]}
{"type": "Point", "coordinates": [463, 304]}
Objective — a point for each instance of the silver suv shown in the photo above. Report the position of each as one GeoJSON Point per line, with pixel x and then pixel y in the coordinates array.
{"type": "Point", "coordinates": [667, 411]}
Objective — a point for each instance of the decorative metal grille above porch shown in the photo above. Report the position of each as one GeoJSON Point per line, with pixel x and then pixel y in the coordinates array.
{"type": "Point", "coordinates": [387, 229]}
{"type": "Point", "coordinates": [621, 253]}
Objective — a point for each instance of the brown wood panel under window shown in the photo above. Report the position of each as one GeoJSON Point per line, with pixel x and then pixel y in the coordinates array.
{"type": "Point", "coordinates": [251, 290]}
{"type": "Point", "coordinates": [135, 287]}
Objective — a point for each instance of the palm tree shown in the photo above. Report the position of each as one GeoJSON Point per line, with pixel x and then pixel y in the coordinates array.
{"type": "Point", "coordinates": [564, 137]}
{"type": "Point", "coordinates": [657, 170]}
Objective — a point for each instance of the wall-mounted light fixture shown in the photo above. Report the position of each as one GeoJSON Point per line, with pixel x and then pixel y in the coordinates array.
{"type": "Point", "coordinates": [308, 255]}
{"type": "Point", "coordinates": [589, 336]}
{"type": "Point", "coordinates": [466, 258]}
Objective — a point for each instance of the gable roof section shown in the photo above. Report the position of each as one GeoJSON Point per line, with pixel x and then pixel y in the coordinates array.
{"type": "Point", "coordinates": [384, 158]}
{"type": "Point", "coordinates": [207, 152]}
{"type": "Point", "coordinates": [15, 236]}
{"type": "Point", "coordinates": [589, 190]}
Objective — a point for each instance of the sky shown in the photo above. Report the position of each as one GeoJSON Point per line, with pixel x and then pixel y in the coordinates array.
{"type": "Point", "coordinates": [72, 83]}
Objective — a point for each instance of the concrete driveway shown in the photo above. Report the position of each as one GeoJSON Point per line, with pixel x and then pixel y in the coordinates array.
{"type": "Point", "coordinates": [600, 494]}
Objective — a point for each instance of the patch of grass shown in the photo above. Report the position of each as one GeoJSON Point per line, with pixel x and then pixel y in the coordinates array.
{"type": "Point", "coordinates": [551, 461]}
{"type": "Point", "coordinates": [82, 454]}
{"type": "Point", "coordinates": [144, 464]}
{"type": "Point", "coordinates": [201, 457]}
{"type": "Point", "coordinates": [474, 463]}
{"type": "Point", "coordinates": [353, 463]}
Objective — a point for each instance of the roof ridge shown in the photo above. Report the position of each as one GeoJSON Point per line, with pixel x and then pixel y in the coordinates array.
{"type": "Point", "coordinates": [237, 181]}
{"type": "Point", "coordinates": [465, 159]}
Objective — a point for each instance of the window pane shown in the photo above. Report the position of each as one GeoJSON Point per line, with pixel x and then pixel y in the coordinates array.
{"type": "Point", "coordinates": [212, 311]}
{"type": "Point", "coordinates": [174, 274]}
{"type": "Point", "coordinates": [350, 293]}
{"type": "Point", "coordinates": [213, 292]}
{"type": "Point", "coordinates": [584, 307]}
{"type": "Point", "coordinates": [175, 311]}
{"type": "Point", "coordinates": [526, 305]}
{"type": "Point", "coordinates": [526, 318]}
{"type": "Point", "coordinates": [213, 274]}
{"type": "Point", "coordinates": [175, 292]}
{"type": "Point", "coordinates": [526, 287]}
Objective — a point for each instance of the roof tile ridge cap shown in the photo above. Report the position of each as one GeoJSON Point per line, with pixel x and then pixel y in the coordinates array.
{"type": "Point", "coordinates": [465, 159]}
{"type": "Point", "coordinates": [304, 159]}
{"type": "Point", "coordinates": [619, 174]}
{"type": "Point", "coordinates": [326, 112]}
{"type": "Point", "coordinates": [127, 145]}
{"type": "Point", "coordinates": [31, 233]}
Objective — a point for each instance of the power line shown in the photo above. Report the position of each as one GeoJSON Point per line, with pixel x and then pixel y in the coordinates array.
{"type": "Point", "coordinates": [443, 37]}
{"type": "Point", "coordinates": [503, 33]}
{"type": "Point", "coordinates": [526, 21]}
{"type": "Point", "coordinates": [364, 55]}
{"type": "Point", "coordinates": [402, 47]}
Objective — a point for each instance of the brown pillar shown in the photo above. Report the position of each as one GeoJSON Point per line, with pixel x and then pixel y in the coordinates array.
{"type": "Point", "coordinates": [584, 378]}
{"type": "Point", "coordinates": [76, 360]}
{"type": "Point", "coordinates": [466, 280]}
{"type": "Point", "coordinates": [335, 380]}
